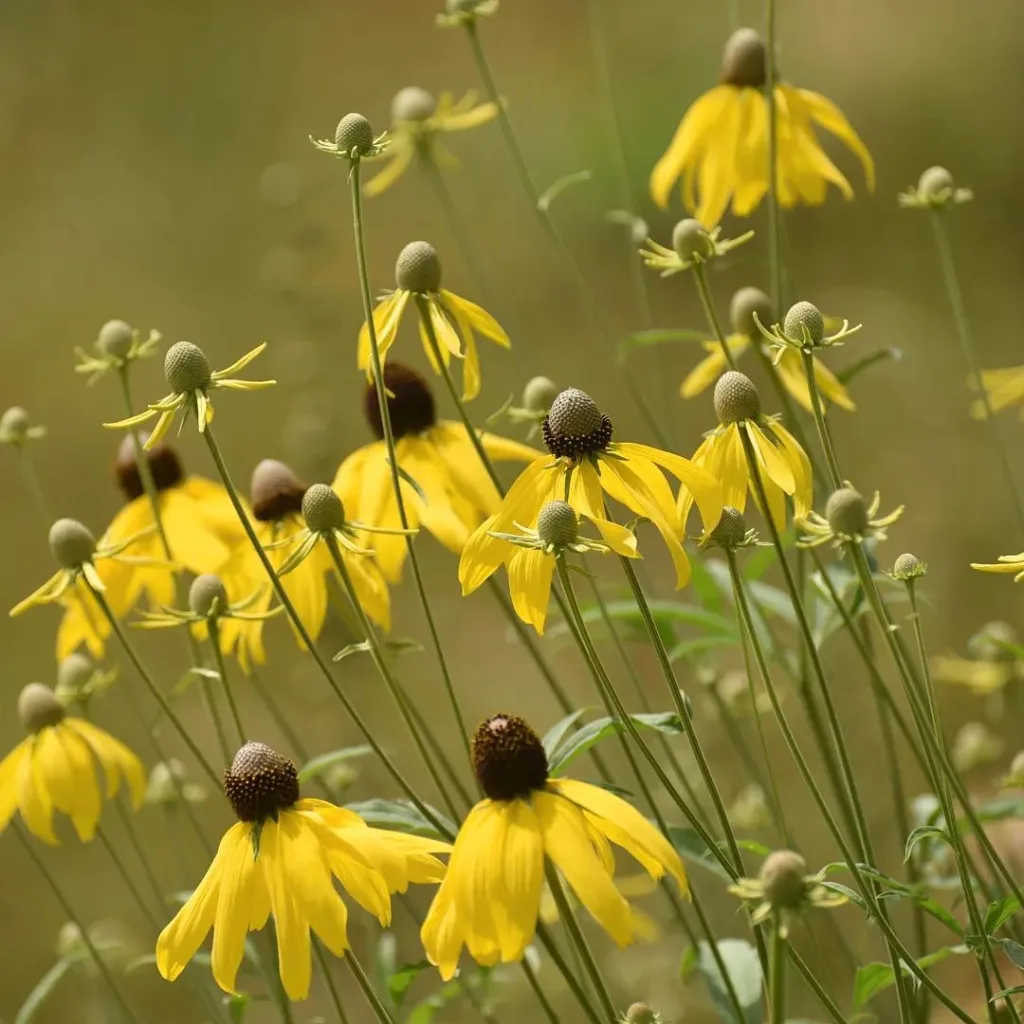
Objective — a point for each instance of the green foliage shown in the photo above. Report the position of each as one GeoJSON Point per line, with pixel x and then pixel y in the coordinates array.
{"type": "Point", "coordinates": [401, 816]}
{"type": "Point", "coordinates": [579, 742]}
{"type": "Point", "coordinates": [315, 766]}
{"type": "Point", "coordinates": [744, 971]}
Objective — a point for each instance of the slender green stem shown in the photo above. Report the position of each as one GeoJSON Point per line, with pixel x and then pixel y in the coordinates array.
{"type": "Point", "coordinates": [380, 661]}
{"type": "Point", "coordinates": [140, 853]}
{"type": "Point", "coordinates": [818, 408]}
{"type": "Point", "coordinates": [579, 941]}
{"type": "Point", "coordinates": [545, 1005]}
{"type": "Point", "coordinates": [575, 986]}
{"type": "Point", "coordinates": [126, 877]}
{"type": "Point", "coordinates": [265, 696]}
{"type": "Point", "coordinates": [777, 982]}
{"type": "Point", "coordinates": [222, 671]}
{"type": "Point", "coordinates": [970, 354]}
{"type": "Point", "coordinates": [816, 987]}
{"type": "Point", "coordinates": [393, 463]}
{"type": "Point", "coordinates": [774, 214]}
{"type": "Point", "coordinates": [700, 278]}
{"type": "Point", "coordinates": [32, 485]}
{"type": "Point", "coordinates": [69, 912]}
{"type": "Point", "coordinates": [332, 990]}
{"type": "Point", "coordinates": [210, 700]}
{"type": "Point", "coordinates": [271, 972]}
{"type": "Point", "coordinates": [318, 658]}
{"type": "Point", "coordinates": [380, 1011]}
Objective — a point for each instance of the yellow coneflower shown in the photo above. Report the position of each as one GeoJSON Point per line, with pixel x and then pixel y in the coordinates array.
{"type": "Point", "coordinates": [201, 529]}
{"type": "Point", "coordinates": [455, 320]}
{"type": "Point", "coordinates": [784, 467]}
{"type": "Point", "coordinates": [54, 768]}
{"type": "Point", "coordinates": [1002, 388]}
{"type": "Point", "coordinates": [281, 858]}
{"type": "Point", "coordinates": [453, 493]}
{"type": "Point", "coordinates": [418, 120]}
{"type": "Point", "coordinates": [1006, 564]}
{"type": "Point", "coordinates": [848, 519]}
{"type": "Point", "coordinates": [490, 899]}
{"type": "Point", "coordinates": [720, 149]}
{"type": "Point", "coordinates": [584, 465]}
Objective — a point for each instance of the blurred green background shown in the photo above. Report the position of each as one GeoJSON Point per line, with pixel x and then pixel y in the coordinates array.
{"type": "Point", "coordinates": [156, 167]}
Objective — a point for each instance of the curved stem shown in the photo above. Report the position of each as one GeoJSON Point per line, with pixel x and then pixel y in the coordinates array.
{"type": "Point", "coordinates": [545, 1005]}
{"type": "Point", "coordinates": [32, 485]}
{"type": "Point", "coordinates": [379, 1009]}
{"type": "Point", "coordinates": [277, 715]}
{"type": "Point", "coordinates": [818, 408]}
{"type": "Point", "coordinates": [222, 671]}
{"type": "Point", "coordinates": [332, 990]}
{"type": "Point", "coordinates": [575, 987]}
{"type": "Point", "coordinates": [700, 277]}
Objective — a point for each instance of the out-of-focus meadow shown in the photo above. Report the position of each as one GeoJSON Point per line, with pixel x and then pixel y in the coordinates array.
{"type": "Point", "coordinates": [155, 166]}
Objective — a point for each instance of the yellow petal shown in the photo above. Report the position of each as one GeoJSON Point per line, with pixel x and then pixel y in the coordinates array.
{"type": "Point", "coordinates": [477, 317]}
{"type": "Point", "coordinates": [237, 876]}
{"type": "Point", "coordinates": [833, 120]}
{"type": "Point", "coordinates": [800, 466]}
{"type": "Point", "coordinates": [470, 119]}
{"type": "Point", "coordinates": [114, 757]}
{"type": "Point", "coordinates": [65, 768]}
{"type": "Point", "coordinates": [716, 175]}
{"type": "Point", "coordinates": [520, 863]}
{"type": "Point", "coordinates": [10, 768]}
{"type": "Point", "coordinates": [586, 498]}
{"type": "Point", "coordinates": [477, 884]}
{"type": "Point", "coordinates": [33, 799]}
{"type": "Point", "coordinates": [708, 370]}
{"type": "Point", "coordinates": [401, 156]}
{"type": "Point", "coordinates": [529, 585]}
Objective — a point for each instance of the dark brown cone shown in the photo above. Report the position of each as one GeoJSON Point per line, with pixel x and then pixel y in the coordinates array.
{"type": "Point", "coordinates": [411, 410]}
{"type": "Point", "coordinates": [275, 491]}
{"type": "Point", "coordinates": [508, 758]}
{"type": "Point", "coordinates": [260, 783]}
{"type": "Point", "coordinates": [164, 464]}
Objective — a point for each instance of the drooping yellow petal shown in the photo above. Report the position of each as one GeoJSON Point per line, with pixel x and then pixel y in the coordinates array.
{"type": "Point", "coordinates": [33, 799]}
{"type": "Point", "coordinates": [193, 544]}
{"type": "Point", "coordinates": [833, 120]}
{"type": "Point", "coordinates": [434, 510]}
{"type": "Point", "coordinates": [478, 318]}
{"type": "Point", "coordinates": [519, 865]}
{"type": "Point", "coordinates": [478, 887]}
{"type": "Point", "coordinates": [10, 768]}
{"type": "Point", "coordinates": [114, 757]}
{"type": "Point", "coordinates": [370, 587]}
{"type": "Point", "coordinates": [800, 466]}
{"type": "Point", "coordinates": [237, 876]}
{"type": "Point", "coordinates": [710, 368]}
{"type": "Point", "coordinates": [442, 934]}
{"type": "Point", "coordinates": [401, 154]}
{"type": "Point", "coordinates": [457, 122]}
{"type": "Point", "coordinates": [529, 585]}
{"type": "Point", "coordinates": [716, 174]}
{"type": "Point", "coordinates": [65, 768]}
{"type": "Point", "coordinates": [586, 498]}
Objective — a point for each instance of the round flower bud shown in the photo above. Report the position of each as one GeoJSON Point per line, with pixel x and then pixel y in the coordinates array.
{"type": "Point", "coordinates": [908, 567]}
{"type": "Point", "coordinates": [186, 368]}
{"type": "Point", "coordinates": [354, 132]}
{"type": "Point", "coordinates": [413, 104]}
{"type": "Point", "coordinates": [14, 424]}
{"type": "Point", "coordinates": [847, 513]}
{"type": "Point", "coordinates": [782, 875]}
{"type": "Point", "coordinates": [207, 596]}
{"type": "Point", "coordinates": [804, 316]}
{"type": "Point", "coordinates": [558, 524]}
{"type": "Point", "coordinates": [736, 398]}
{"type": "Point", "coordinates": [934, 181]}
{"type": "Point", "coordinates": [641, 1013]}
{"type": "Point", "coordinates": [745, 303]}
{"type": "Point", "coordinates": [575, 426]}
{"type": "Point", "coordinates": [744, 60]}
{"type": "Point", "coordinates": [72, 543]}
{"type": "Point", "coordinates": [322, 509]}
{"type": "Point", "coordinates": [74, 672]}
{"type": "Point", "coordinates": [39, 708]}
{"type": "Point", "coordinates": [539, 394]}
{"type": "Point", "coordinates": [988, 643]}
{"type": "Point", "coordinates": [690, 239]}
{"type": "Point", "coordinates": [115, 339]}
{"type": "Point", "coordinates": [418, 269]}
{"type": "Point", "coordinates": [731, 529]}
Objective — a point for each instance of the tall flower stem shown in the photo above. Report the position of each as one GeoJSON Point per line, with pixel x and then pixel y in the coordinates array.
{"type": "Point", "coordinates": [210, 700]}
{"type": "Point", "coordinates": [332, 990]}
{"type": "Point", "coordinates": [222, 671]}
{"type": "Point", "coordinates": [777, 979]}
{"type": "Point", "coordinates": [568, 975]}
{"type": "Point", "coordinates": [264, 694]}
{"type": "Point", "coordinates": [587, 298]}
{"type": "Point", "coordinates": [389, 442]}
{"type": "Point", "coordinates": [140, 853]}
{"type": "Point", "coordinates": [318, 658]}
{"type": "Point", "coordinates": [818, 408]}
{"type": "Point", "coordinates": [700, 277]}
{"type": "Point", "coordinates": [380, 661]}
{"type": "Point", "coordinates": [32, 485]}
{"type": "Point", "coordinates": [380, 1011]}
{"type": "Point", "coordinates": [970, 354]}
{"type": "Point", "coordinates": [545, 1004]}
{"type": "Point", "coordinates": [70, 914]}
{"type": "Point", "coordinates": [774, 226]}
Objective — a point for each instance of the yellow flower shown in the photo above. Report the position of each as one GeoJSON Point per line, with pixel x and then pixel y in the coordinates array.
{"type": "Point", "coordinates": [54, 768]}
{"type": "Point", "coordinates": [720, 149]}
{"type": "Point", "coordinates": [647, 929]}
{"type": "Point", "coordinates": [848, 519]}
{"type": "Point", "coordinates": [490, 898]}
{"type": "Point", "coordinates": [784, 466]}
{"type": "Point", "coordinates": [585, 462]}
{"type": "Point", "coordinates": [992, 661]}
{"type": "Point", "coordinates": [418, 121]}
{"type": "Point", "coordinates": [453, 493]}
{"type": "Point", "coordinates": [453, 319]}
{"type": "Point", "coordinates": [191, 380]}
{"type": "Point", "coordinates": [201, 529]}
{"type": "Point", "coordinates": [1006, 563]}
{"type": "Point", "coordinates": [281, 858]}
{"type": "Point", "coordinates": [1003, 388]}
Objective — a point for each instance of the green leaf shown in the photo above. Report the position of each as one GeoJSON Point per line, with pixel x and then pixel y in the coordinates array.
{"type": "Point", "coordinates": [237, 1006]}
{"type": "Point", "coordinates": [878, 356]}
{"type": "Point", "coordinates": [1000, 912]}
{"type": "Point", "coordinates": [358, 647]}
{"type": "Point", "coordinates": [923, 832]}
{"type": "Point", "coordinates": [316, 765]}
{"type": "Point", "coordinates": [401, 980]}
{"type": "Point", "coordinates": [744, 970]}
{"type": "Point", "coordinates": [1015, 952]}
{"type": "Point", "coordinates": [702, 643]}
{"type": "Point", "coordinates": [557, 732]}
{"type": "Point", "coordinates": [692, 848]}
{"type": "Point", "coordinates": [876, 977]}
{"type": "Point", "coordinates": [583, 739]}
{"type": "Point", "coordinates": [999, 809]}
{"type": "Point", "coordinates": [939, 912]}
{"type": "Point", "coordinates": [552, 192]}
{"type": "Point", "coordinates": [401, 816]}
{"type": "Point", "coordinates": [43, 990]}
{"type": "Point", "coordinates": [646, 339]}
{"type": "Point", "coordinates": [688, 962]}
{"type": "Point", "coordinates": [854, 897]}
{"type": "Point", "coordinates": [999, 995]}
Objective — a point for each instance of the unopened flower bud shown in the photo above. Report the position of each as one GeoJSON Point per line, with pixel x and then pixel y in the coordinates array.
{"type": "Point", "coordinates": [641, 1013]}
{"type": "Point", "coordinates": [558, 524]}
{"type": "Point", "coordinates": [847, 513]}
{"type": "Point", "coordinates": [418, 269]}
{"type": "Point", "coordinates": [744, 60]}
{"type": "Point", "coordinates": [782, 875]}
{"type": "Point", "coordinates": [38, 708]}
{"type": "Point", "coordinates": [186, 368]}
{"type": "Point", "coordinates": [74, 672]}
{"type": "Point", "coordinates": [115, 339]}
{"type": "Point", "coordinates": [908, 567]}
{"type": "Point", "coordinates": [805, 324]}
{"type": "Point", "coordinates": [354, 133]}
{"type": "Point", "coordinates": [207, 596]}
{"type": "Point", "coordinates": [736, 398]}
{"type": "Point", "coordinates": [72, 543]}
{"type": "Point", "coordinates": [413, 104]}
{"type": "Point", "coordinates": [745, 303]}
{"type": "Point", "coordinates": [322, 509]}
{"type": "Point", "coordinates": [934, 181]}
{"type": "Point", "coordinates": [14, 424]}
{"type": "Point", "coordinates": [691, 240]}
{"type": "Point", "coordinates": [539, 394]}
{"type": "Point", "coordinates": [575, 426]}
{"type": "Point", "coordinates": [731, 529]}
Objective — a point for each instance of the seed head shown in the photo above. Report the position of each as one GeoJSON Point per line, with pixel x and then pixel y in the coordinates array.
{"type": "Point", "coordinates": [71, 543]}
{"type": "Point", "coordinates": [847, 513]}
{"type": "Point", "coordinates": [260, 783]}
{"type": "Point", "coordinates": [413, 104]}
{"type": "Point", "coordinates": [38, 708]}
{"type": "Point", "coordinates": [745, 303]}
{"type": "Point", "coordinates": [575, 426]}
{"type": "Point", "coordinates": [782, 875]}
{"type": "Point", "coordinates": [988, 643]}
{"type": "Point", "coordinates": [164, 466]}
{"type": "Point", "coordinates": [322, 509]}
{"type": "Point", "coordinates": [418, 269]}
{"type": "Point", "coordinates": [73, 672]}
{"type": "Point", "coordinates": [14, 424]}
{"type": "Point", "coordinates": [731, 530]}
{"type": "Point", "coordinates": [934, 181]}
{"type": "Point", "coordinates": [908, 567]}
{"type": "Point", "coordinates": [508, 758]}
{"type": "Point", "coordinates": [410, 404]}
{"type": "Point", "coordinates": [186, 368]}
{"type": "Point", "coordinates": [207, 596]}
{"type": "Point", "coordinates": [641, 1013]}
{"type": "Point", "coordinates": [736, 398]}
{"type": "Point", "coordinates": [354, 132]}
{"type": "Point", "coordinates": [744, 60]}
{"type": "Point", "coordinates": [275, 491]}
{"type": "Point", "coordinates": [804, 316]}
{"type": "Point", "coordinates": [539, 393]}
{"type": "Point", "coordinates": [557, 523]}
{"type": "Point", "coordinates": [690, 240]}
{"type": "Point", "coordinates": [115, 339]}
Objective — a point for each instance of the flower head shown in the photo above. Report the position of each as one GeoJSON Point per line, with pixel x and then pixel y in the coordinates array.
{"type": "Point", "coordinates": [720, 149]}
{"type": "Point", "coordinates": [447, 321]}
{"type": "Point", "coordinates": [585, 464]}
{"type": "Point", "coordinates": [848, 519]}
{"type": "Point", "coordinates": [908, 567]}
{"type": "Point", "coordinates": [490, 898]}
{"type": "Point", "coordinates": [465, 12]}
{"type": "Point", "coordinates": [935, 190]}
{"type": "Point", "coordinates": [281, 858]}
{"type": "Point", "coordinates": [168, 785]}
{"type": "Point", "coordinates": [784, 888]}
{"type": "Point", "coordinates": [55, 768]}
{"type": "Point", "coordinates": [730, 532]}
{"type": "Point", "coordinates": [993, 660]}
{"type": "Point", "coordinates": [692, 244]}
{"type": "Point", "coordinates": [452, 493]}
{"type": "Point", "coordinates": [16, 427]}
{"type": "Point", "coordinates": [117, 345]}
{"type": "Point", "coordinates": [783, 465]}
{"type": "Point", "coordinates": [79, 679]}
{"type": "Point", "coordinates": [1006, 564]}
{"type": "Point", "coordinates": [188, 373]}
{"type": "Point", "coordinates": [353, 140]}
{"type": "Point", "coordinates": [804, 329]}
